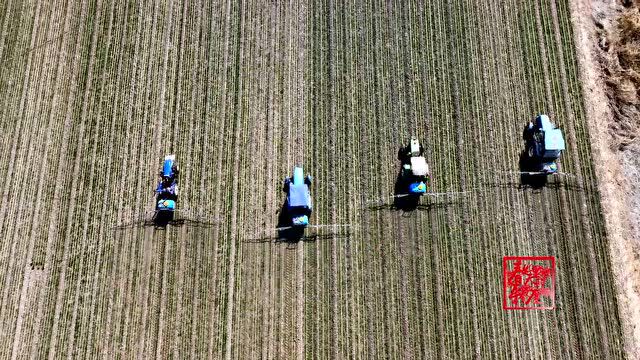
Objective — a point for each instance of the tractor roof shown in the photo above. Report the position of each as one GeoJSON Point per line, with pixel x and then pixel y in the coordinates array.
{"type": "Point", "coordinates": [168, 165]}
{"type": "Point", "coordinates": [298, 175]}
{"type": "Point", "coordinates": [419, 166]}
{"type": "Point", "coordinates": [415, 147]}
{"type": "Point", "coordinates": [544, 123]}
{"type": "Point", "coordinates": [299, 195]}
{"type": "Point", "coordinates": [553, 140]}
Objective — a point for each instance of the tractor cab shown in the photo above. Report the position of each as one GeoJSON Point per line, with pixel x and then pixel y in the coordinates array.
{"type": "Point", "coordinates": [169, 168]}
{"type": "Point", "coordinates": [544, 144]}
{"type": "Point", "coordinates": [299, 205]}
{"type": "Point", "coordinates": [415, 170]}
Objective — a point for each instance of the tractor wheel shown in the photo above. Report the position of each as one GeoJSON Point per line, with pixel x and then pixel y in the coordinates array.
{"type": "Point", "coordinates": [530, 152]}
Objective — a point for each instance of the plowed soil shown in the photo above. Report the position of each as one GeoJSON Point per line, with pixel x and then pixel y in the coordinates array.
{"type": "Point", "coordinates": [93, 94]}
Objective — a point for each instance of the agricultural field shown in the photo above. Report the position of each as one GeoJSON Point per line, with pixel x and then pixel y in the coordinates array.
{"type": "Point", "coordinates": [94, 93]}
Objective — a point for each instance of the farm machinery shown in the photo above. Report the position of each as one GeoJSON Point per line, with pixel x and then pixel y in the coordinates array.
{"type": "Point", "coordinates": [544, 144]}
{"type": "Point", "coordinates": [414, 177]}
{"type": "Point", "coordinates": [415, 170]}
{"type": "Point", "coordinates": [167, 191]}
{"type": "Point", "coordinates": [166, 202]}
{"type": "Point", "coordinates": [295, 213]}
{"type": "Point", "coordinates": [298, 205]}
{"type": "Point", "coordinates": [412, 182]}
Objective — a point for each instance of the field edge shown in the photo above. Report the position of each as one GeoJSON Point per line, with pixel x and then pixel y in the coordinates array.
{"type": "Point", "coordinates": [623, 250]}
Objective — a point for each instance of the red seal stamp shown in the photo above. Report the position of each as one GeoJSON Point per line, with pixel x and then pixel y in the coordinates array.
{"type": "Point", "coordinates": [528, 282]}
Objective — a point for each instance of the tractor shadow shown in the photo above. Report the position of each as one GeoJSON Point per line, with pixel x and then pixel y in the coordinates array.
{"type": "Point", "coordinates": [290, 235]}
{"type": "Point", "coordinates": [408, 204]}
{"type": "Point", "coordinates": [404, 203]}
{"type": "Point", "coordinates": [160, 221]}
{"type": "Point", "coordinates": [293, 236]}
{"type": "Point", "coordinates": [408, 209]}
{"type": "Point", "coordinates": [526, 164]}
{"type": "Point", "coordinates": [550, 185]}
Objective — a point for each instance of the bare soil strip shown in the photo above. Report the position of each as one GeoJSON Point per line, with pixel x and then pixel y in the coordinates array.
{"type": "Point", "coordinates": [622, 250]}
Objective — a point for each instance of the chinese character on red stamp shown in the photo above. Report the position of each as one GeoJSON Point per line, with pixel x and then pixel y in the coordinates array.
{"type": "Point", "coordinates": [529, 282]}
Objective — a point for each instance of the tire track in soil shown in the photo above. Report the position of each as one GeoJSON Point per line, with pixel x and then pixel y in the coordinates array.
{"type": "Point", "coordinates": [29, 276]}
{"type": "Point", "coordinates": [220, 102]}
{"type": "Point", "coordinates": [62, 286]}
{"type": "Point", "coordinates": [13, 158]}
{"type": "Point", "coordinates": [401, 238]}
{"type": "Point", "coordinates": [86, 261]}
{"type": "Point", "coordinates": [532, 217]}
{"type": "Point", "coordinates": [102, 232]}
{"type": "Point", "coordinates": [551, 347]}
{"type": "Point", "coordinates": [5, 25]}
{"type": "Point", "coordinates": [567, 234]}
{"type": "Point", "coordinates": [331, 178]}
{"type": "Point", "coordinates": [237, 141]}
{"type": "Point", "coordinates": [302, 117]}
{"type": "Point", "coordinates": [195, 300]}
{"type": "Point", "coordinates": [578, 170]}
{"type": "Point", "coordinates": [181, 238]}
{"type": "Point", "coordinates": [160, 276]}
{"type": "Point", "coordinates": [136, 253]}
{"type": "Point", "coordinates": [123, 104]}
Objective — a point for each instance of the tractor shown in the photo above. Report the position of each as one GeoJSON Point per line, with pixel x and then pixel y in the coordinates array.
{"type": "Point", "coordinates": [298, 205]}
{"type": "Point", "coordinates": [412, 182]}
{"type": "Point", "coordinates": [544, 144]}
{"type": "Point", "coordinates": [166, 201]}
{"type": "Point", "coordinates": [415, 170]}
{"type": "Point", "coordinates": [293, 218]}
{"type": "Point", "coordinates": [167, 191]}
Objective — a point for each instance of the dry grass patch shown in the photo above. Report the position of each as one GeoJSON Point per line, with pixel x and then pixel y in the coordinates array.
{"type": "Point", "coordinates": [621, 62]}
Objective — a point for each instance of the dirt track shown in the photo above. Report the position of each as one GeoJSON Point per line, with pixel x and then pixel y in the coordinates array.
{"type": "Point", "coordinates": [94, 93]}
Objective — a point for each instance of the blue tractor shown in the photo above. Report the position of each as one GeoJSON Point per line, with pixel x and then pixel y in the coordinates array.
{"type": "Point", "coordinates": [544, 144]}
{"type": "Point", "coordinates": [166, 201]}
{"type": "Point", "coordinates": [293, 220]}
{"type": "Point", "coordinates": [298, 206]}
{"type": "Point", "coordinates": [167, 191]}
